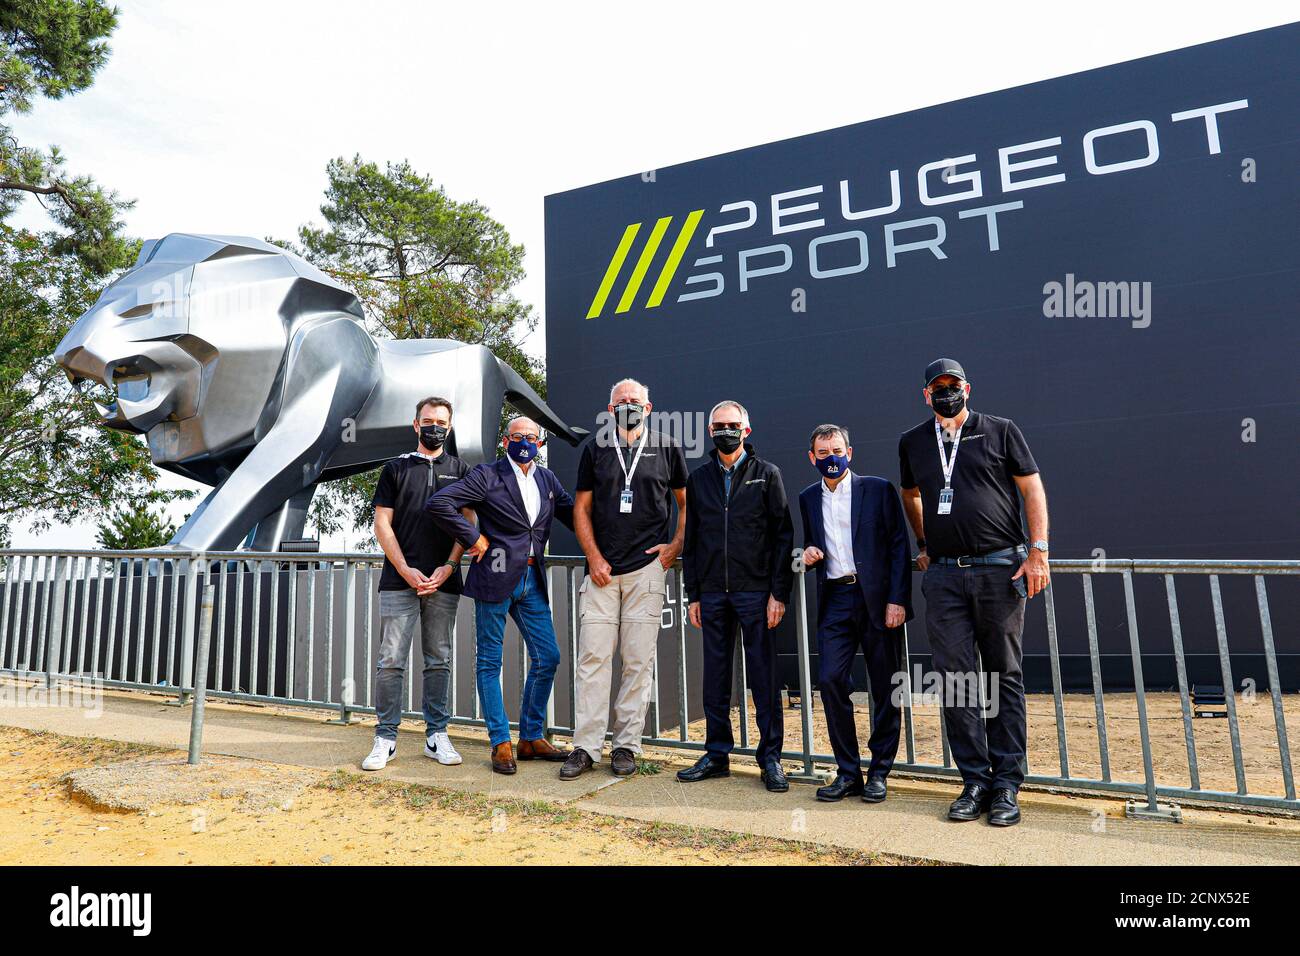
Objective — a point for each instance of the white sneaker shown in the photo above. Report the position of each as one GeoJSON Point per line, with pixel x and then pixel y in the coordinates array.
{"type": "Point", "coordinates": [438, 746]}
{"type": "Point", "coordinates": [383, 751]}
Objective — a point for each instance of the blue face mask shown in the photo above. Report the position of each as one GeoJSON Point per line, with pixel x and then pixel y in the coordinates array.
{"type": "Point", "coordinates": [833, 466]}
{"type": "Point", "coordinates": [522, 451]}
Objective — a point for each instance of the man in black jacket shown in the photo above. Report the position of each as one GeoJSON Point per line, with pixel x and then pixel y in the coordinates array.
{"type": "Point", "coordinates": [737, 560]}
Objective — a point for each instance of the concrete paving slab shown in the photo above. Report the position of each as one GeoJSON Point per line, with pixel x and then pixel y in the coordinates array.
{"type": "Point", "coordinates": [301, 739]}
{"type": "Point", "coordinates": [911, 823]}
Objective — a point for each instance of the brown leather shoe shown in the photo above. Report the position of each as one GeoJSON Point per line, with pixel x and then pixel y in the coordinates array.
{"type": "Point", "coordinates": [579, 762]}
{"type": "Point", "coordinates": [540, 749]}
{"type": "Point", "coordinates": [623, 762]}
{"type": "Point", "coordinates": [503, 759]}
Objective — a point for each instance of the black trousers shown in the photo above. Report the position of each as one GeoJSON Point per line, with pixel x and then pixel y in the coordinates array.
{"type": "Point", "coordinates": [969, 610]}
{"type": "Point", "coordinates": [721, 614]}
{"type": "Point", "coordinates": [844, 629]}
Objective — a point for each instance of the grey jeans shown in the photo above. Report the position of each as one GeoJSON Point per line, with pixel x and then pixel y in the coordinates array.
{"type": "Point", "coordinates": [400, 614]}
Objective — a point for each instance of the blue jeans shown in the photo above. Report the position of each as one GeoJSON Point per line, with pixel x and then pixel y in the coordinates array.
{"type": "Point", "coordinates": [532, 615]}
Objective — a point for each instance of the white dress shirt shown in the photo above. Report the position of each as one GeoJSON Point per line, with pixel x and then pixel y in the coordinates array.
{"type": "Point", "coordinates": [837, 519]}
{"type": "Point", "coordinates": [529, 491]}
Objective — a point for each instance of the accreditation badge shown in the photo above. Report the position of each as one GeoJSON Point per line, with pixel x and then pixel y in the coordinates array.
{"type": "Point", "coordinates": [625, 502]}
{"type": "Point", "coordinates": [945, 501]}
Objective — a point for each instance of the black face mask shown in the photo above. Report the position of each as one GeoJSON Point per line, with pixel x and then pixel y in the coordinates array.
{"type": "Point", "coordinates": [727, 440]}
{"type": "Point", "coordinates": [432, 437]}
{"type": "Point", "coordinates": [948, 401]}
{"type": "Point", "coordinates": [629, 415]}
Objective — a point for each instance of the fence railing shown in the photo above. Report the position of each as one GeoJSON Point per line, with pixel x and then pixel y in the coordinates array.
{"type": "Point", "coordinates": [301, 629]}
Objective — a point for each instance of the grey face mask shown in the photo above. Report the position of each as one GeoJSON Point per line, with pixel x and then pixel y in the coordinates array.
{"type": "Point", "coordinates": [727, 440]}
{"type": "Point", "coordinates": [629, 415]}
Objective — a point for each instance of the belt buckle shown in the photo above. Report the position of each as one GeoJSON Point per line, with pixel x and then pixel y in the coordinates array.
{"type": "Point", "coordinates": [966, 565]}
{"type": "Point", "coordinates": [852, 579]}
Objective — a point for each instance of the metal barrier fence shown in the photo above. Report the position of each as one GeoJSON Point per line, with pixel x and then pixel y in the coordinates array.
{"type": "Point", "coordinates": [300, 629]}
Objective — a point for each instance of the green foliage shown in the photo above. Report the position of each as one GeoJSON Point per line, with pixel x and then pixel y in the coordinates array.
{"type": "Point", "coordinates": [53, 48]}
{"type": "Point", "coordinates": [129, 529]}
{"type": "Point", "coordinates": [425, 266]}
{"type": "Point", "coordinates": [57, 464]}
{"type": "Point", "coordinates": [345, 503]}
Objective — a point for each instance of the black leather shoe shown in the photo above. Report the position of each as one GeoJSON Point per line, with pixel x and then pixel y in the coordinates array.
{"type": "Point", "coordinates": [705, 768]}
{"type": "Point", "coordinates": [623, 762]}
{"type": "Point", "coordinates": [774, 778]}
{"type": "Point", "coordinates": [1004, 811]}
{"type": "Point", "coordinates": [874, 791]}
{"type": "Point", "coordinates": [839, 788]}
{"type": "Point", "coordinates": [973, 801]}
{"type": "Point", "coordinates": [576, 764]}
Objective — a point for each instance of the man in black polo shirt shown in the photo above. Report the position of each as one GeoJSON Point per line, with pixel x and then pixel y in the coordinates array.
{"type": "Point", "coordinates": [963, 474]}
{"type": "Point", "coordinates": [419, 586]}
{"type": "Point", "coordinates": [629, 476]}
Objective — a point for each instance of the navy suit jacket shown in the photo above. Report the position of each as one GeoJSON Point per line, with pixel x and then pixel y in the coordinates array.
{"type": "Point", "coordinates": [881, 554]}
{"type": "Point", "coordinates": [492, 490]}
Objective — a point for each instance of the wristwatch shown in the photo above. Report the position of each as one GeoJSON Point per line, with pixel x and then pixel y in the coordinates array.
{"type": "Point", "coordinates": [920, 544]}
{"type": "Point", "coordinates": [1040, 546]}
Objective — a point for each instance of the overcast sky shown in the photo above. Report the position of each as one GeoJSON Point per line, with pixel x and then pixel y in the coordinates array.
{"type": "Point", "coordinates": [220, 117]}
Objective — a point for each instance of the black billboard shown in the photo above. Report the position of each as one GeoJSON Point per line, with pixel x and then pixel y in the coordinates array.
{"type": "Point", "coordinates": [1112, 255]}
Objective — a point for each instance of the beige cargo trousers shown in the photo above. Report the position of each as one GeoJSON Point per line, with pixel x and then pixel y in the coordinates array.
{"type": "Point", "coordinates": [625, 616]}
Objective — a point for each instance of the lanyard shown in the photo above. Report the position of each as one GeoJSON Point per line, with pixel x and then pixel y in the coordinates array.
{"type": "Point", "coordinates": [948, 463]}
{"type": "Point", "coordinates": [627, 475]}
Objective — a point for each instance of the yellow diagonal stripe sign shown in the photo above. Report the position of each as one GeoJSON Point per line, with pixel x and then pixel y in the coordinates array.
{"type": "Point", "coordinates": [674, 258]}
{"type": "Point", "coordinates": [643, 263]}
{"type": "Point", "coordinates": [611, 273]}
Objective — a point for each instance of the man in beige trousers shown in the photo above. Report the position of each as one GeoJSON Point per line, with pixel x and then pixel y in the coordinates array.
{"type": "Point", "coordinates": [628, 478]}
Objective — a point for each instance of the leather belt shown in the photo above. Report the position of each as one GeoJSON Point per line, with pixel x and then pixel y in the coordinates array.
{"type": "Point", "coordinates": [847, 579]}
{"type": "Point", "coordinates": [1007, 557]}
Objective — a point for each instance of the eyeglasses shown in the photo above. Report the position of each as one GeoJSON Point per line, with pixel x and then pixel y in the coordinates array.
{"type": "Point", "coordinates": [716, 426]}
{"type": "Point", "coordinates": [524, 436]}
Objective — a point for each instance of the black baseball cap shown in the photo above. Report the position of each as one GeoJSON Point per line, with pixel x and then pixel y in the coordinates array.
{"type": "Point", "coordinates": [944, 366]}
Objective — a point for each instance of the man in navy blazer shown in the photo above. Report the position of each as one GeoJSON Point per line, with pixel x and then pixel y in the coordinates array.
{"type": "Point", "coordinates": [855, 537]}
{"type": "Point", "coordinates": [515, 500]}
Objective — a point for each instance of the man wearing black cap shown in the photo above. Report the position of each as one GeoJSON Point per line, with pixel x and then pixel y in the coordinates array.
{"type": "Point", "coordinates": [978, 574]}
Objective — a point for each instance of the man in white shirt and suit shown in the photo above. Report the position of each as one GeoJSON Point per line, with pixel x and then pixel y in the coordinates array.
{"type": "Point", "coordinates": [855, 536]}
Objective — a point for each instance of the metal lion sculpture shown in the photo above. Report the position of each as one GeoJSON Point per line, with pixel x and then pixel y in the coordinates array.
{"type": "Point", "coordinates": [250, 370]}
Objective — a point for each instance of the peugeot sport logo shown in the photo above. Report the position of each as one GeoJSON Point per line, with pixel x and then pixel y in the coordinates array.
{"type": "Point", "coordinates": [839, 229]}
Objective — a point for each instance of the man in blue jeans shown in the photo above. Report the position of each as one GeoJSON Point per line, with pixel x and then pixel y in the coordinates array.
{"type": "Point", "coordinates": [515, 500]}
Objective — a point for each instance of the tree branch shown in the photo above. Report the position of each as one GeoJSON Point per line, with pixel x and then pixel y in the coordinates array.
{"type": "Point", "coordinates": [57, 189]}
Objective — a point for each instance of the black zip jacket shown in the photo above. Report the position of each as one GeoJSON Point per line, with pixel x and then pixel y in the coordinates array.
{"type": "Point", "coordinates": [745, 543]}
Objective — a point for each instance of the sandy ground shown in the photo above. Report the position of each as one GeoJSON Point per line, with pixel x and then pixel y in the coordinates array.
{"type": "Point", "coordinates": [324, 817]}
{"type": "Point", "coordinates": [1259, 745]}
